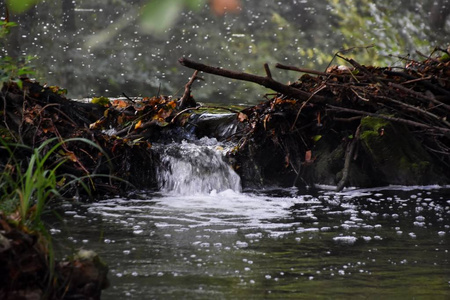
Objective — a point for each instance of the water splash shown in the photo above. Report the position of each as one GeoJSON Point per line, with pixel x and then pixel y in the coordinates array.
{"type": "Point", "coordinates": [189, 168]}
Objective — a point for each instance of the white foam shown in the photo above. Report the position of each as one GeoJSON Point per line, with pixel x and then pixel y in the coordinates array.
{"type": "Point", "coordinates": [347, 240]}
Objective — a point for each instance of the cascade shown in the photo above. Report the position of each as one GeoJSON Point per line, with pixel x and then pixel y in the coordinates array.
{"type": "Point", "coordinates": [196, 168]}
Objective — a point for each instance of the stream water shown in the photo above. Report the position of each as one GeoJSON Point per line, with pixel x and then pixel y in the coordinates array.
{"type": "Point", "coordinates": [217, 242]}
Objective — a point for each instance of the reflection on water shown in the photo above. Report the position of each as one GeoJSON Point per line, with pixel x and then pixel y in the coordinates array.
{"type": "Point", "coordinates": [385, 243]}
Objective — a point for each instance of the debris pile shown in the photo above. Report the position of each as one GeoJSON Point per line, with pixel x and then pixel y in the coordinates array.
{"type": "Point", "coordinates": [356, 125]}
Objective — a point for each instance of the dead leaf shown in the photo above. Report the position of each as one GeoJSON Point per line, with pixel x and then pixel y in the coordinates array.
{"type": "Point", "coordinates": [242, 117]}
{"type": "Point", "coordinates": [138, 125]}
{"type": "Point", "coordinates": [70, 155]}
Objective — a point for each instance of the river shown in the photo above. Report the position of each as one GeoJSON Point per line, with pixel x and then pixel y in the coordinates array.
{"type": "Point", "coordinates": [383, 243]}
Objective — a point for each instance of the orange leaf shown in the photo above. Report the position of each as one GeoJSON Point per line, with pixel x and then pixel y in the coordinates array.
{"type": "Point", "coordinates": [172, 104]}
{"type": "Point", "coordinates": [138, 125]}
{"type": "Point", "coordinates": [120, 103]}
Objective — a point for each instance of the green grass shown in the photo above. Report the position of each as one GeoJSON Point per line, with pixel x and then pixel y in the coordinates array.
{"type": "Point", "coordinates": [28, 190]}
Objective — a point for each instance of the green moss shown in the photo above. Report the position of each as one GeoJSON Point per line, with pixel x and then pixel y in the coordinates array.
{"type": "Point", "coordinates": [100, 100]}
{"type": "Point", "coordinates": [373, 124]}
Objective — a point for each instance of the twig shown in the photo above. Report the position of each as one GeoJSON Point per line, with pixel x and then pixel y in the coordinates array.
{"type": "Point", "coordinates": [419, 95]}
{"type": "Point", "coordinates": [129, 99]}
{"type": "Point", "coordinates": [417, 80]}
{"type": "Point", "coordinates": [348, 157]}
{"type": "Point", "coordinates": [351, 119]}
{"type": "Point", "coordinates": [416, 109]}
{"type": "Point", "coordinates": [424, 82]}
{"type": "Point", "coordinates": [187, 90]}
{"type": "Point", "coordinates": [291, 68]}
{"type": "Point", "coordinates": [360, 97]}
{"type": "Point", "coordinates": [268, 73]}
{"type": "Point", "coordinates": [305, 102]}
{"type": "Point", "coordinates": [361, 68]}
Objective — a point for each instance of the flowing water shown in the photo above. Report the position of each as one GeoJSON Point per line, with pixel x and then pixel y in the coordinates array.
{"type": "Point", "coordinates": [217, 242]}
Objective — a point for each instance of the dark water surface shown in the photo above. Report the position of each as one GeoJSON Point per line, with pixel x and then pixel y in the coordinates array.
{"type": "Point", "coordinates": [388, 243]}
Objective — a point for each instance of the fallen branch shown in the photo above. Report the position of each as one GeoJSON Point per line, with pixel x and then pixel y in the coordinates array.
{"type": "Point", "coordinates": [266, 81]}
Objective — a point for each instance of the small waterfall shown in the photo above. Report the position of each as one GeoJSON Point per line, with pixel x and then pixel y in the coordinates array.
{"type": "Point", "coordinates": [196, 168]}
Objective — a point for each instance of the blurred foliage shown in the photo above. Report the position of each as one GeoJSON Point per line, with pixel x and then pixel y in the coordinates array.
{"type": "Point", "coordinates": [158, 15]}
{"type": "Point", "coordinates": [19, 6]}
{"type": "Point", "coordinates": [386, 25]}
{"type": "Point", "coordinates": [5, 28]}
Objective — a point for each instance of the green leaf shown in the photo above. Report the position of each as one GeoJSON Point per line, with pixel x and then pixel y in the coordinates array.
{"type": "Point", "coordinates": [316, 138]}
{"type": "Point", "coordinates": [19, 83]}
{"type": "Point", "coordinates": [20, 6]}
{"type": "Point", "coordinates": [159, 15]}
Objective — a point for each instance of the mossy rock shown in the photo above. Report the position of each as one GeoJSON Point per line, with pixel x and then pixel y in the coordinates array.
{"type": "Point", "coordinates": [396, 153]}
